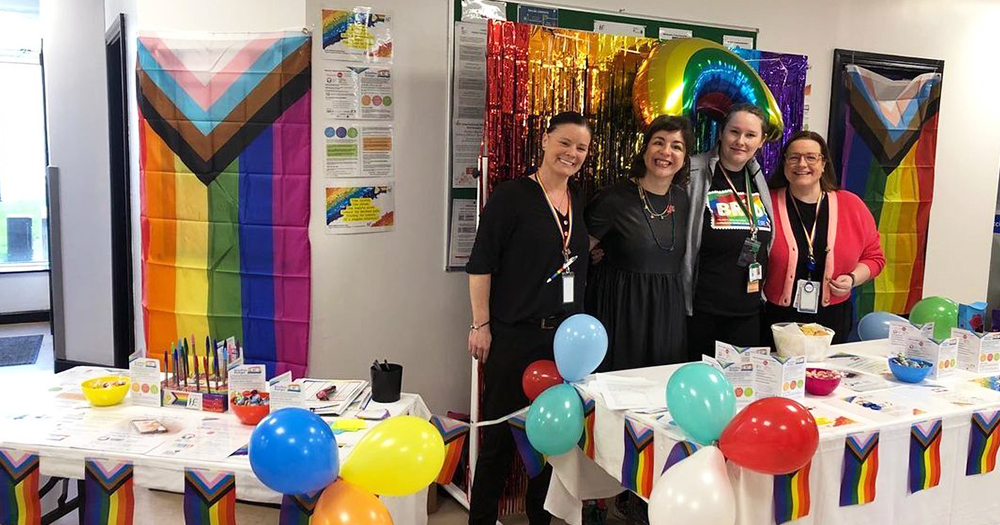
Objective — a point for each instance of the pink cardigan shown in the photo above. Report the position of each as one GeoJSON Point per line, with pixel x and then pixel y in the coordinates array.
{"type": "Point", "coordinates": [851, 239]}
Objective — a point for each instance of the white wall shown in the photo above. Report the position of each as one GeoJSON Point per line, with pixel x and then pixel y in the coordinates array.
{"type": "Point", "coordinates": [77, 122]}
{"type": "Point", "coordinates": [24, 292]}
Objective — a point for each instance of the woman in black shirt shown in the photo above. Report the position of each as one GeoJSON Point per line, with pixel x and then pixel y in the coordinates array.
{"type": "Point", "coordinates": [530, 228]}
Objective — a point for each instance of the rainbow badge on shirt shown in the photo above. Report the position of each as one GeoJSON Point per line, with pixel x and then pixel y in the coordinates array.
{"type": "Point", "coordinates": [727, 214]}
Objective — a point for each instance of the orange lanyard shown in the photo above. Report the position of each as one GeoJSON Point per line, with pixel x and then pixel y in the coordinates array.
{"type": "Point", "coordinates": [566, 234]}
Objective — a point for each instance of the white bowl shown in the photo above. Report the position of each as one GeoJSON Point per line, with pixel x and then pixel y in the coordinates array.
{"type": "Point", "coordinates": [790, 341]}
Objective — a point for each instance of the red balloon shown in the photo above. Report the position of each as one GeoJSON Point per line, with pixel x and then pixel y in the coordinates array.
{"type": "Point", "coordinates": [538, 377]}
{"type": "Point", "coordinates": [774, 435]}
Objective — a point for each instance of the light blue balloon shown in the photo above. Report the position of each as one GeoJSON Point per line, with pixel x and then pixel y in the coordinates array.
{"type": "Point", "coordinates": [293, 451]}
{"type": "Point", "coordinates": [580, 345]}
{"type": "Point", "coordinates": [875, 325]}
{"type": "Point", "coordinates": [555, 420]}
{"type": "Point", "coordinates": [701, 401]}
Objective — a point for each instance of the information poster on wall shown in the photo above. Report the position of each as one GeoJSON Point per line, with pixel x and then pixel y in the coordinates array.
{"type": "Point", "coordinates": [359, 209]}
{"type": "Point", "coordinates": [358, 92]}
{"type": "Point", "coordinates": [463, 231]}
{"type": "Point", "coordinates": [359, 35]}
{"type": "Point", "coordinates": [358, 149]}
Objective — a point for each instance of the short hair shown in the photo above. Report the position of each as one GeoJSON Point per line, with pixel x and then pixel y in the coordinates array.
{"type": "Point", "coordinates": [828, 181]}
{"type": "Point", "coordinates": [567, 117]}
{"type": "Point", "coordinates": [746, 108]}
{"type": "Point", "coordinates": [669, 124]}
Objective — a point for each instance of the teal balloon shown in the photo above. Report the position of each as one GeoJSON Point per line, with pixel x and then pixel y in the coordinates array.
{"type": "Point", "coordinates": [701, 401]}
{"type": "Point", "coordinates": [555, 420]}
{"type": "Point", "coordinates": [939, 310]}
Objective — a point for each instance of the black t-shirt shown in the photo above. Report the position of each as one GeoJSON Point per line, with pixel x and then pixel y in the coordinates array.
{"type": "Point", "coordinates": [808, 217]}
{"type": "Point", "coordinates": [722, 283]}
{"type": "Point", "coordinates": [520, 245]}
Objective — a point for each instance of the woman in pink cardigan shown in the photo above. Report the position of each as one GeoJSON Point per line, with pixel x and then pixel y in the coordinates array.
{"type": "Point", "coordinates": [825, 241]}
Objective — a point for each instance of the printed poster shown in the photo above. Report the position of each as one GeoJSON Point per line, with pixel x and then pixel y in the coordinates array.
{"type": "Point", "coordinates": [357, 35]}
{"type": "Point", "coordinates": [359, 209]}
{"type": "Point", "coordinates": [358, 92]}
{"type": "Point", "coordinates": [358, 149]}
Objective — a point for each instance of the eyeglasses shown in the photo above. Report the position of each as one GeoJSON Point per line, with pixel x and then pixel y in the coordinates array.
{"type": "Point", "coordinates": [811, 159]}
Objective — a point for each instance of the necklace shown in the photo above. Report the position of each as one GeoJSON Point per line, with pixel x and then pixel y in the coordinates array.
{"type": "Point", "coordinates": [649, 208]}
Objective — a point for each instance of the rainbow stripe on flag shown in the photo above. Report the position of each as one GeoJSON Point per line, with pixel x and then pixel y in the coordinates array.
{"type": "Point", "coordinates": [791, 495]}
{"type": "Point", "coordinates": [19, 500]}
{"type": "Point", "coordinates": [108, 498]}
{"type": "Point", "coordinates": [209, 497]}
{"type": "Point", "coordinates": [298, 509]}
{"type": "Point", "coordinates": [589, 411]}
{"type": "Point", "coordinates": [224, 133]}
{"type": "Point", "coordinates": [637, 462]}
{"type": "Point", "coordinates": [534, 461]}
{"type": "Point", "coordinates": [680, 451]}
{"type": "Point", "coordinates": [453, 432]}
{"type": "Point", "coordinates": [857, 483]}
{"type": "Point", "coordinates": [925, 455]}
{"type": "Point", "coordinates": [983, 442]}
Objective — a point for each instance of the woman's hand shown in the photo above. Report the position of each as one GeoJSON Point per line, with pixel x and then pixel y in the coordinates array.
{"type": "Point", "coordinates": [596, 255]}
{"type": "Point", "coordinates": [479, 343]}
{"type": "Point", "coordinates": [842, 285]}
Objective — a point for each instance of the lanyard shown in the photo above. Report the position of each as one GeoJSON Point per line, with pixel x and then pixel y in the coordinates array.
{"type": "Point", "coordinates": [810, 234]}
{"type": "Point", "coordinates": [566, 234]}
{"type": "Point", "coordinates": [748, 207]}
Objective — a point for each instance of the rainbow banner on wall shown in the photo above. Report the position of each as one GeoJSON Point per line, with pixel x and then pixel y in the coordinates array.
{"type": "Point", "coordinates": [791, 495]}
{"type": "Point", "coordinates": [925, 455]}
{"type": "Point", "coordinates": [108, 498]}
{"type": "Point", "coordinates": [224, 135]}
{"type": "Point", "coordinates": [857, 483]}
{"type": "Point", "coordinates": [453, 432]}
{"type": "Point", "coordinates": [586, 443]}
{"type": "Point", "coordinates": [19, 500]}
{"type": "Point", "coordinates": [297, 509]}
{"type": "Point", "coordinates": [637, 462]}
{"type": "Point", "coordinates": [679, 452]}
{"type": "Point", "coordinates": [984, 439]}
{"type": "Point", "coordinates": [209, 497]}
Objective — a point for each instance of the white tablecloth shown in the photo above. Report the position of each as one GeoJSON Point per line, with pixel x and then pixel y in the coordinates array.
{"type": "Point", "coordinates": [958, 499]}
{"type": "Point", "coordinates": [54, 399]}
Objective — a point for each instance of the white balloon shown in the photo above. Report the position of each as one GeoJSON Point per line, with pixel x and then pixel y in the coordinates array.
{"type": "Point", "coordinates": [695, 491]}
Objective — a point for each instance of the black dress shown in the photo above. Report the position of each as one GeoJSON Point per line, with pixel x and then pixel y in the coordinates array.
{"type": "Point", "coordinates": [636, 290]}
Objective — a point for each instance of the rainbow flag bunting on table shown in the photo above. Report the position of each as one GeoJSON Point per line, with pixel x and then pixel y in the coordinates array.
{"type": "Point", "coordinates": [791, 495]}
{"type": "Point", "coordinates": [680, 451]}
{"type": "Point", "coordinates": [209, 497]}
{"type": "Point", "coordinates": [19, 500]}
{"type": "Point", "coordinates": [453, 432]}
{"type": "Point", "coordinates": [224, 140]}
{"type": "Point", "coordinates": [637, 462]}
{"type": "Point", "coordinates": [108, 498]}
{"type": "Point", "coordinates": [925, 455]}
{"type": "Point", "coordinates": [534, 461]}
{"type": "Point", "coordinates": [589, 411]}
{"type": "Point", "coordinates": [983, 442]}
{"type": "Point", "coordinates": [857, 483]}
{"type": "Point", "coordinates": [298, 509]}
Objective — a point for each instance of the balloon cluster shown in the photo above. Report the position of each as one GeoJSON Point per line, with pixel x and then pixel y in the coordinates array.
{"type": "Point", "coordinates": [555, 419]}
{"type": "Point", "coordinates": [938, 310]}
{"type": "Point", "coordinates": [293, 451]}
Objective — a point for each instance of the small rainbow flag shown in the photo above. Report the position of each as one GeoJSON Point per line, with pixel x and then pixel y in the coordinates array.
{"type": "Point", "coordinates": [791, 495]}
{"type": "Point", "coordinates": [534, 461]}
{"type": "Point", "coordinates": [637, 462]}
{"type": "Point", "coordinates": [19, 500]}
{"type": "Point", "coordinates": [453, 432]}
{"type": "Point", "coordinates": [209, 497]}
{"type": "Point", "coordinates": [983, 442]}
{"type": "Point", "coordinates": [587, 439]}
{"type": "Point", "coordinates": [298, 509]}
{"type": "Point", "coordinates": [108, 497]}
{"type": "Point", "coordinates": [680, 451]}
{"type": "Point", "coordinates": [857, 484]}
{"type": "Point", "coordinates": [925, 455]}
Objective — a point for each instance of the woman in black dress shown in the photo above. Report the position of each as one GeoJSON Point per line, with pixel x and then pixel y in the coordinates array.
{"type": "Point", "coordinates": [530, 228]}
{"type": "Point", "coordinates": [640, 224]}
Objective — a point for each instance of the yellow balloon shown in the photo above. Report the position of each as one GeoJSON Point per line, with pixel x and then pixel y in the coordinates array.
{"type": "Point", "coordinates": [397, 457]}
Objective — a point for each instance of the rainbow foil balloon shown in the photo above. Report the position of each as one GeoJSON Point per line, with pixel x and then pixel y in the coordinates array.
{"type": "Point", "coordinates": [692, 75]}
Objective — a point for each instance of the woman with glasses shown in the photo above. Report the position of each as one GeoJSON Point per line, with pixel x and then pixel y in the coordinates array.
{"type": "Point", "coordinates": [641, 225]}
{"type": "Point", "coordinates": [825, 241]}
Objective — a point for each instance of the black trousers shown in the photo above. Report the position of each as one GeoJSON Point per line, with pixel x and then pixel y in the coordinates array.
{"type": "Point", "coordinates": [512, 350]}
{"type": "Point", "coordinates": [704, 329]}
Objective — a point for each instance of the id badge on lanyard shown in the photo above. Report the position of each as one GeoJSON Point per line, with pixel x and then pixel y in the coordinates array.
{"type": "Point", "coordinates": [807, 296]}
{"type": "Point", "coordinates": [568, 280]}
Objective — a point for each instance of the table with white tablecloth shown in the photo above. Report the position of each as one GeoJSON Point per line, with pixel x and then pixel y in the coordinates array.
{"type": "Point", "coordinates": [40, 419]}
{"type": "Point", "coordinates": [957, 499]}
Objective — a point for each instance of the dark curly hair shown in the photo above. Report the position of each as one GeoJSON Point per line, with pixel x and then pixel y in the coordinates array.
{"type": "Point", "coordinates": [668, 124]}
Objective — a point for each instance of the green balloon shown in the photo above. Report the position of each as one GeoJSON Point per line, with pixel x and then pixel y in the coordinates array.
{"type": "Point", "coordinates": [701, 401]}
{"type": "Point", "coordinates": [939, 310]}
{"type": "Point", "coordinates": [555, 420]}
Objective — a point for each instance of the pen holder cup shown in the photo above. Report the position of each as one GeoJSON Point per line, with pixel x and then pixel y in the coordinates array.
{"type": "Point", "coordinates": [387, 384]}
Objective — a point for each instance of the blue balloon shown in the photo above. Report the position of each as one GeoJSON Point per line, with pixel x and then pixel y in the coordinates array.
{"type": "Point", "coordinates": [555, 420]}
{"type": "Point", "coordinates": [293, 451]}
{"type": "Point", "coordinates": [580, 345]}
{"type": "Point", "coordinates": [876, 325]}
